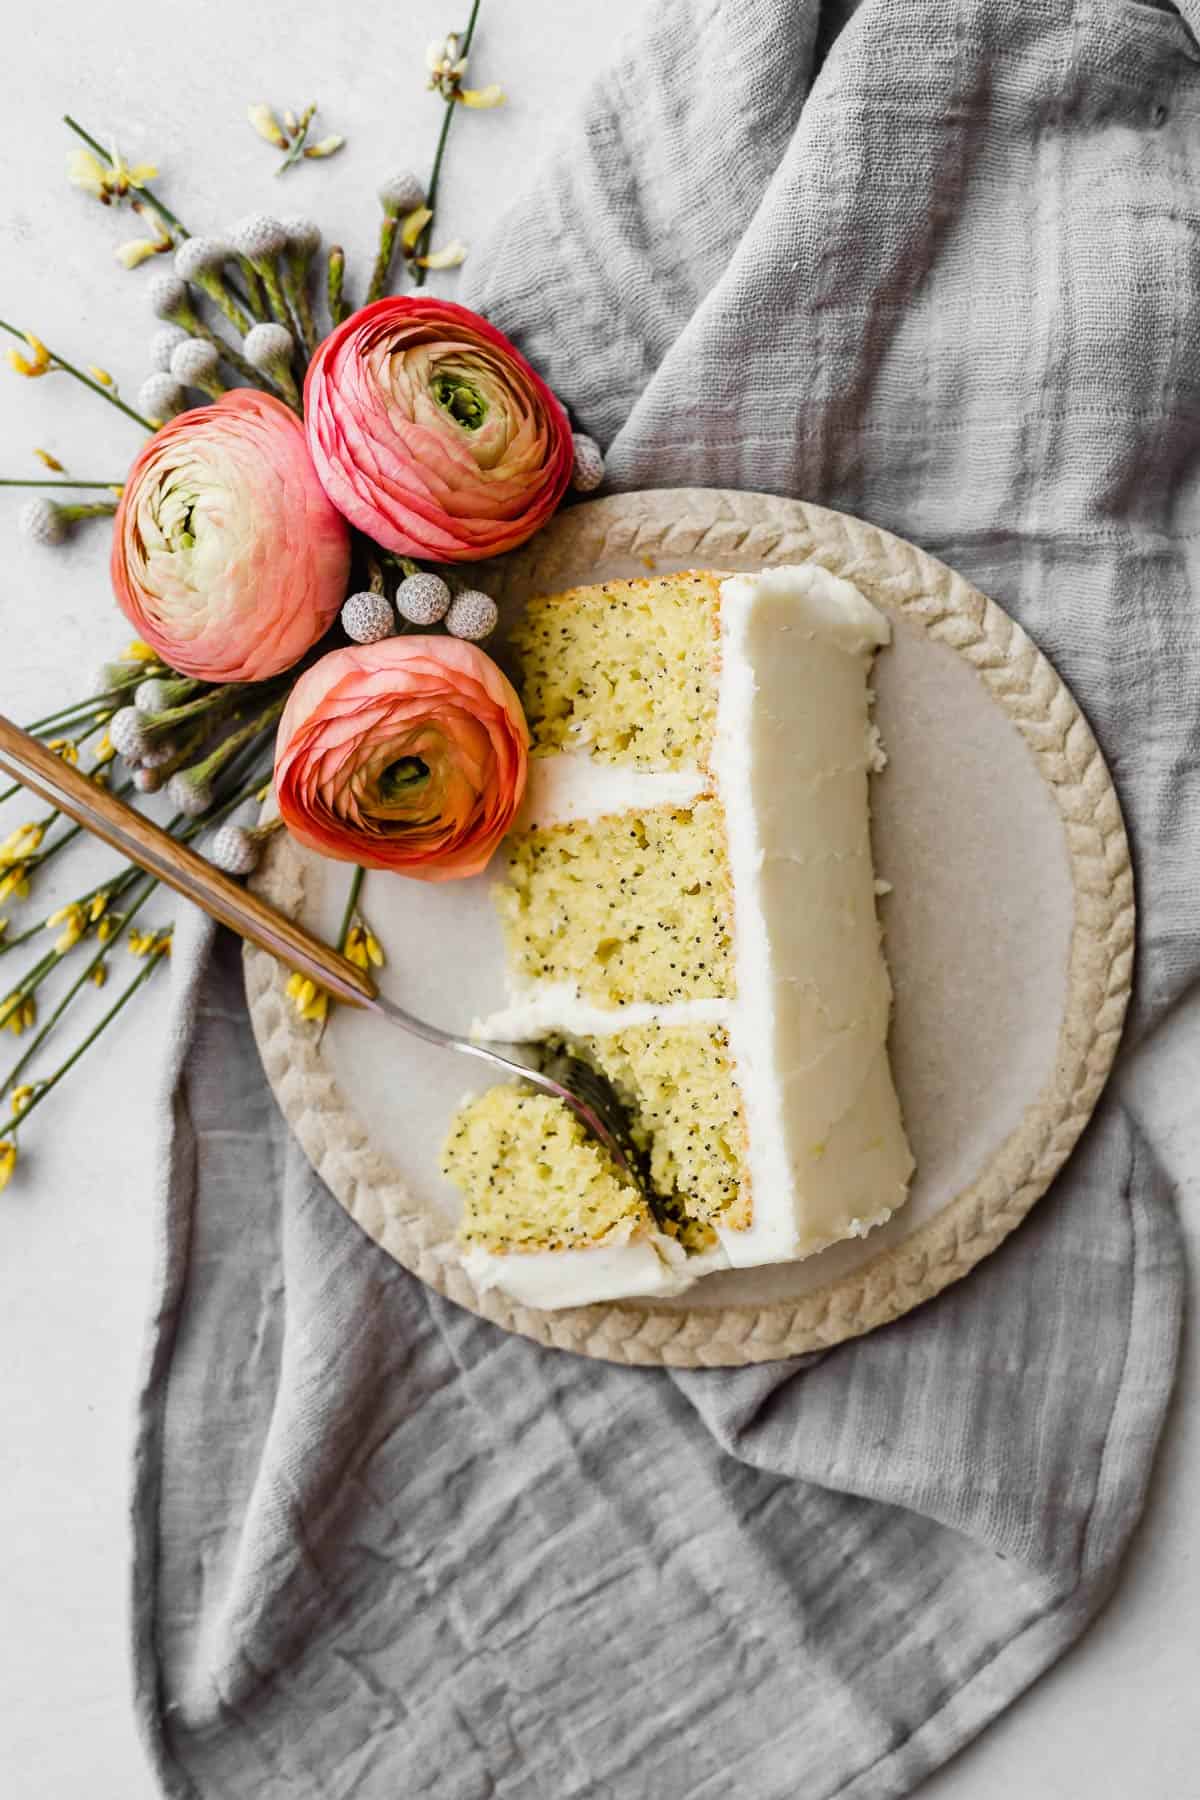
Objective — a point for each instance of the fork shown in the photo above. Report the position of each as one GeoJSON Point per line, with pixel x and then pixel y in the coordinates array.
{"type": "Point", "coordinates": [588, 1093]}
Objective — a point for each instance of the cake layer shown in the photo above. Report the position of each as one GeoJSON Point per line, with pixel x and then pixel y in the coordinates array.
{"type": "Point", "coordinates": [633, 907]}
{"type": "Point", "coordinates": [679, 1087]}
{"type": "Point", "coordinates": [532, 1176]}
{"type": "Point", "coordinates": [626, 670]}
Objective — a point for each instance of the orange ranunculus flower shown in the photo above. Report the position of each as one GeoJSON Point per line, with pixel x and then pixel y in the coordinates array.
{"type": "Point", "coordinates": [410, 755]}
{"type": "Point", "coordinates": [431, 432]}
{"type": "Point", "coordinates": [227, 556]}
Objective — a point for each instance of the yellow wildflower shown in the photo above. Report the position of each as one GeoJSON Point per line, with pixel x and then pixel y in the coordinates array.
{"type": "Point", "coordinates": [99, 975]}
{"type": "Point", "coordinates": [449, 257]}
{"type": "Point", "coordinates": [141, 943]}
{"type": "Point", "coordinates": [310, 1001]}
{"type": "Point", "coordinates": [100, 375]}
{"type": "Point", "coordinates": [15, 882]}
{"type": "Point", "coordinates": [139, 250]}
{"type": "Point", "coordinates": [18, 1013]}
{"type": "Point", "coordinates": [21, 1096]}
{"type": "Point", "coordinates": [8, 1162]}
{"type": "Point", "coordinates": [414, 224]}
{"type": "Point", "coordinates": [49, 462]}
{"type": "Point", "coordinates": [66, 749]}
{"type": "Point", "coordinates": [3, 927]}
{"type": "Point", "coordinates": [75, 923]}
{"type": "Point", "coordinates": [481, 98]}
{"type": "Point", "coordinates": [107, 182]}
{"type": "Point", "coordinates": [325, 146]}
{"type": "Point", "coordinates": [98, 907]}
{"type": "Point", "coordinates": [104, 752]}
{"type": "Point", "coordinates": [107, 930]}
{"type": "Point", "coordinates": [38, 364]}
{"type": "Point", "coordinates": [363, 948]}
{"type": "Point", "coordinates": [138, 652]}
{"type": "Point", "coordinates": [267, 125]}
{"type": "Point", "coordinates": [22, 842]}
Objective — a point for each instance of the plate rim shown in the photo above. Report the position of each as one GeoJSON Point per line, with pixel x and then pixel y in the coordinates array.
{"type": "Point", "coordinates": [708, 524]}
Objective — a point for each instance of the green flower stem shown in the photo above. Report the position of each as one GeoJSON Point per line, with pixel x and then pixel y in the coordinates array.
{"type": "Point", "coordinates": [100, 710]}
{"type": "Point", "coordinates": [388, 230]}
{"type": "Point", "coordinates": [86, 1043]}
{"type": "Point", "coordinates": [94, 509]}
{"type": "Point", "coordinates": [214, 286]}
{"type": "Point", "coordinates": [255, 298]}
{"type": "Point", "coordinates": [335, 285]}
{"type": "Point", "coordinates": [228, 748]}
{"type": "Point", "coordinates": [28, 985]}
{"type": "Point", "coordinates": [151, 199]}
{"type": "Point", "coordinates": [48, 483]}
{"type": "Point", "coordinates": [268, 274]}
{"type": "Point", "coordinates": [422, 243]}
{"type": "Point", "coordinates": [295, 287]}
{"type": "Point", "coordinates": [23, 1061]}
{"type": "Point", "coordinates": [356, 882]}
{"type": "Point", "coordinates": [60, 362]}
{"type": "Point", "coordinates": [213, 700]}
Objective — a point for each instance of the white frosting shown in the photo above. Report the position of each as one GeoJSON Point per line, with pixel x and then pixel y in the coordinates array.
{"type": "Point", "coordinates": [556, 1006]}
{"type": "Point", "coordinates": [794, 744]}
{"type": "Point", "coordinates": [573, 786]}
{"type": "Point", "coordinates": [627, 1265]}
{"type": "Point", "coordinates": [826, 1153]}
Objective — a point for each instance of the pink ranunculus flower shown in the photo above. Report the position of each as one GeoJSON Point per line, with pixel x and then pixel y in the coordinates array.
{"type": "Point", "coordinates": [227, 557]}
{"type": "Point", "coordinates": [409, 755]}
{"type": "Point", "coordinates": [431, 432]}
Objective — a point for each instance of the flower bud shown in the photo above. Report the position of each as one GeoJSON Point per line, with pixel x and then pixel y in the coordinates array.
{"type": "Point", "coordinates": [43, 521]}
{"type": "Point", "coordinates": [127, 734]}
{"type": "Point", "coordinates": [152, 696]}
{"type": "Point", "coordinates": [303, 236]}
{"type": "Point", "coordinates": [258, 238]}
{"type": "Point", "coordinates": [168, 297]}
{"type": "Point", "coordinates": [189, 796]}
{"type": "Point", "coordinates": [163, 346]}
{"type": "Point", "coordinates": [160, 397]}
{"type": "Point", "coordinates": [195, 363]}
{"type": "Point", "coordinates": [473, 615]}
{"type": "Point", "coordinates": [587, 471]}
{"type": "Point", "coordinates": [268, 347]}
{"type": "Point", "coordinates": [401, 194]}
{"type": "Point", "coordinates": [367, 617]}
{"type": "Point", "coordinates": [423, 599]}
{"type": "Point", "coordinates": [234, 849]}
{"type": "Point", "coordinates": [199, 256]}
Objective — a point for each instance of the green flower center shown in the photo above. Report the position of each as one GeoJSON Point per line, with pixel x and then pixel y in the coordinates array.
{"type": "Point", "coordinates": [465, 404]}
{"type": "Point", "coordinates": [400, 778]}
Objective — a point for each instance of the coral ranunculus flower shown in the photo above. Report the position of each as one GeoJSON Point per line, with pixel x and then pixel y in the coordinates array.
{"type": "Point", "coordinates": [227, 556]}
{"type": "Point", "coordinates": [431, 432]}
{"type": "Point", "coordinates": [409, 755]}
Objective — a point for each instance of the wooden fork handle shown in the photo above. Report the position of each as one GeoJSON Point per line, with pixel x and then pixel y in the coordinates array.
{"type": "Point", "coordinates": [156, 851]}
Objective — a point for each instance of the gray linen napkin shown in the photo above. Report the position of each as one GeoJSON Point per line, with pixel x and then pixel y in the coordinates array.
{"type": "Point", "coordinates": [947, 280]}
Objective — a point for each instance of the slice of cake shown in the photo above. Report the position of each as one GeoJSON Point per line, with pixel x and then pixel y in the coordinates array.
{"type": "Point", "coordinates": [690, 902]}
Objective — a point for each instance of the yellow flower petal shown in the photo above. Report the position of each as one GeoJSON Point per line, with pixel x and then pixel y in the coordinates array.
{"type": "Point", "coordinates": [481, 98]}
{"type": "Point", "coordinates": [448, 257]}
{"type": "Point", "coordinates": [136, 251]}
{"type": "Point", "coordinates": [325, 146]}
{"type": "Point", "coordinates": [267, 125]}
{"type": "Point", "coordinates": [47, 461]}
{"type": "Point", "coordinates": [100, 375]}
{"type": "Point", "coordinates": [138, 652]}
{"type": "Point", "coordinates": [413, 226]}
{"type": "Point", "coordinates": [8, 1162]}
{"type": "Point", "coordinates": [87, 172]}
{"type": "Point", "coordinates": [99, 975]}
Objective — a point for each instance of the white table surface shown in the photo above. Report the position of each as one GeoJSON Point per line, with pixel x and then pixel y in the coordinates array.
{"type": "Point", "coordinates": [1117, 1720]}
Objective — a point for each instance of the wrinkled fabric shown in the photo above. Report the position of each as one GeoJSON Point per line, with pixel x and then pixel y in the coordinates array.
{"type": "Point", "coordinates": [929, 261]}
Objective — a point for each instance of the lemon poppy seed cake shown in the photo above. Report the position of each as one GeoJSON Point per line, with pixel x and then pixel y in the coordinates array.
{"type": "Point", "coordinates": [689, 904]}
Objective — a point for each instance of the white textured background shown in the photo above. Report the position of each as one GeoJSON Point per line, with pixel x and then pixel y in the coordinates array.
{"type": "Point", "coordinates": [1119, 1720]}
